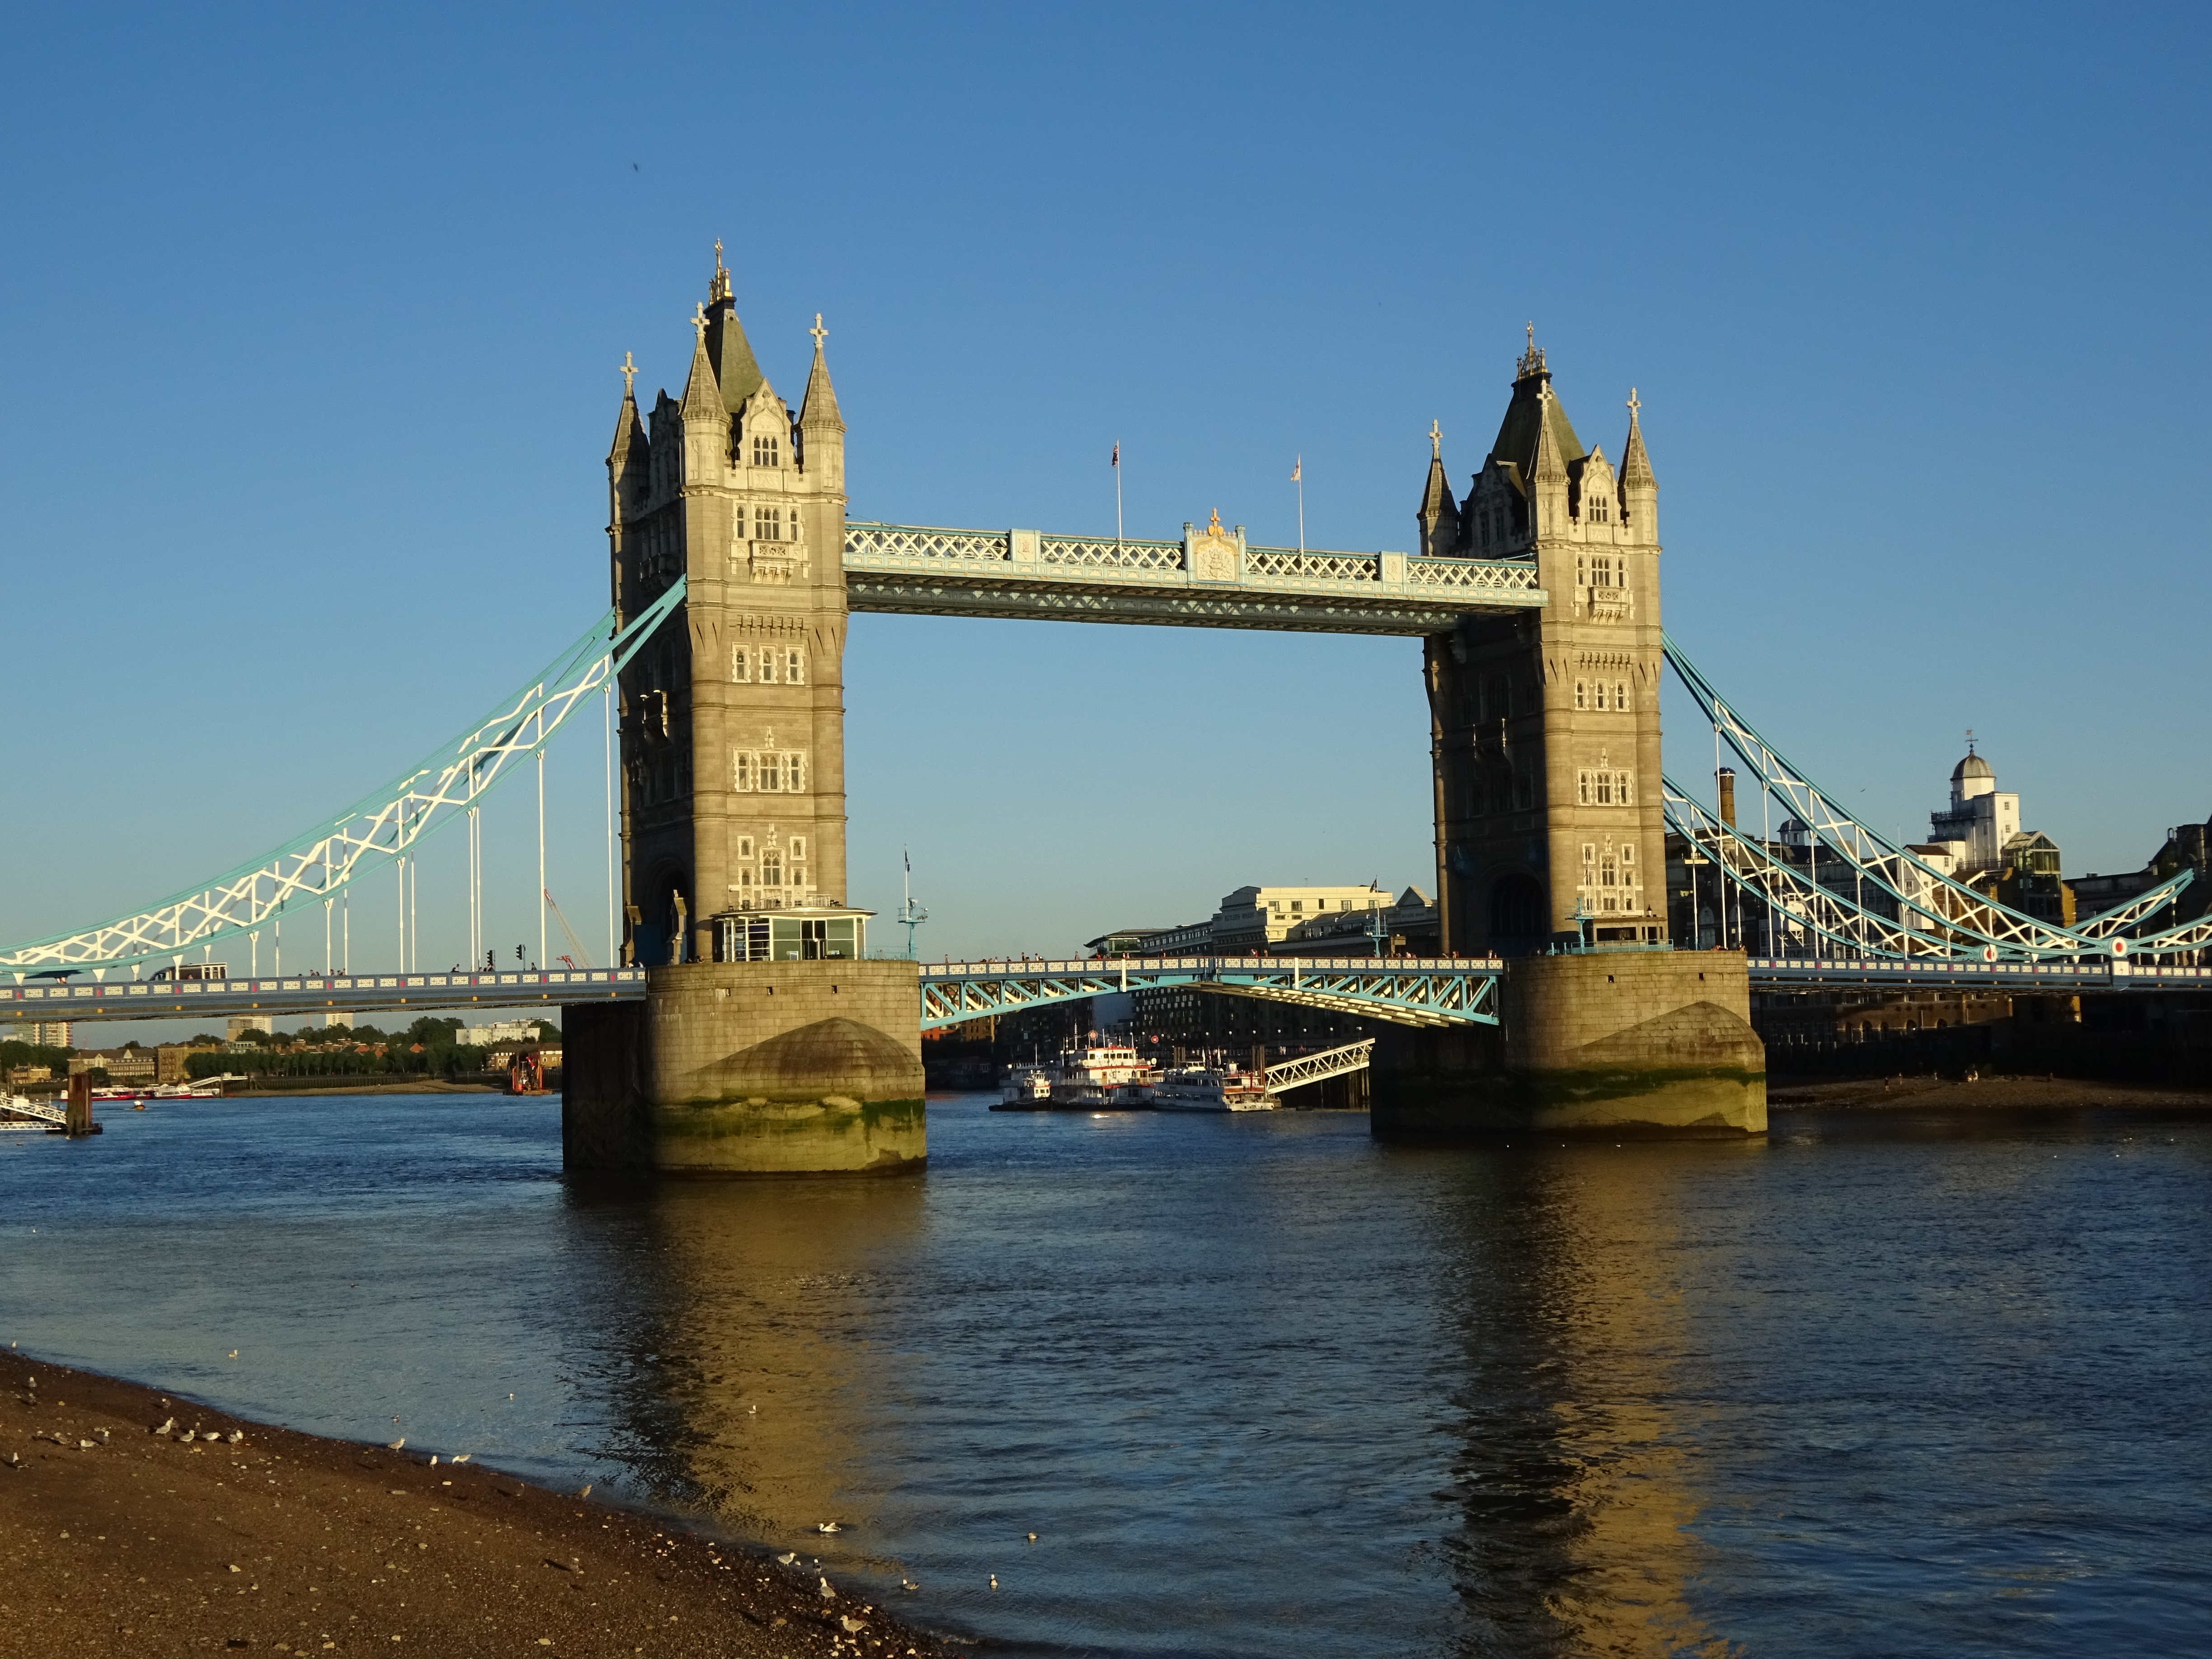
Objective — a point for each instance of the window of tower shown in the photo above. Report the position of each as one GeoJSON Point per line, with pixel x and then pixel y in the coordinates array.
{"type": "Point", "coordinates": [1620, 696]}
{"type": "Point", "coordinates": [768, 524]}
{"type": "Point", "coordinates": [1599, 689]}
{"type": "Point", "coordinates": [741, 664]}
{"type": "Point", "coordinates": [771, 772]}
{"type": "Point", "coordinates": [1582, 694]}
{"type": "Point", "coordinates": [766, 450]}
{"type": "Point", "coordinates": [741, 772]}
{"type": "Point", "coordinates": [771, 868]}
{"type": "Point", "coordinates": [768, 666]}
{"type": "Point", "coordinates": [794, 666]}
{"type": "Point", "coordinates": [799, 849]}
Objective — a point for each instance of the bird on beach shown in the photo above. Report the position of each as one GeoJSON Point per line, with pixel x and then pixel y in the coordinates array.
{"type": "Point", "coordinates": [394, 1445]}
{"type": "Point", "coordinates": [828, 1595]}
{"type": "Point", "coordinates": [462, 1458]}
{"type": "Point", "coordinates": [829, 1526]}
{"type": "Point", "coordinates": [787, 1558]}
{"type": "Point", "coordinates": [234, 1353]}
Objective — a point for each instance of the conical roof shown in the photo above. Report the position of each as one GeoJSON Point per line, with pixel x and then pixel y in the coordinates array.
{"type": "Point", "coordinates": [1635, 463]}
{"type": "Point", "coordinates": [629, 430]}
{"type": "Point", "coordinates": [819, 406]}
{"type": "Point", "coordinates": [736, 371]}
{"type": "Point", "coordinates": [1533, 412]}
{"type": "Point", "coordinates": [702, 396]}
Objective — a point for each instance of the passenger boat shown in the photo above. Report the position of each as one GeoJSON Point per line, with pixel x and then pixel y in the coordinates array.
{"type": "Point", "coordinates": [1025, 1089]}
{"type": "Point", "coordinates": [1211, 1089]}
{"type": "Point", "coordinates": [1102, 1075]}
{"type": "Point", "coordinates": [1099, 1077]}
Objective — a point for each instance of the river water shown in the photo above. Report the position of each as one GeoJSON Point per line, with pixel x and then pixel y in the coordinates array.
{"type": "Point", "coordinates": [1882, 1385]}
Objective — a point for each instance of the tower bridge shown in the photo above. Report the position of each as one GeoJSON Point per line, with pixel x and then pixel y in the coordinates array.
{"type": "Point", "coordinates": [742, 1030]}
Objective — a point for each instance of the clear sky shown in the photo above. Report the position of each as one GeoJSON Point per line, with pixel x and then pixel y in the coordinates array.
{"type": "Point", "coordinates": [312, 318]}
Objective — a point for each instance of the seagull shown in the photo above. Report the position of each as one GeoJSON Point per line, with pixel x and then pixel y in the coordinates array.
{"type": "Point", "coordinates": [909, 1584]}
{"type": "Point", "coordinates": [587, 1491]}
{"type": "Point", "coordinates": [238, 1437]}
{"type": "Point", "coordinates": [787, 1558]}
{"type": "Point", "coordinates": [852, 1626]}
{"type": "Point", "coordinates": [829, 1526]}
{"type": "Point", "coordinates": [994, 1581]}
{"type": "Point", "coordinates": [462, 1458]}
{"type": "Point", "coordinates": [434, 1460]}
{"type": "Point", "coordinates": [1032, 1538]}
{"type": "Point", "coordinates": [394, 1445]}
{"type": "Point", "coordinates": [234, 1353]}
{"type": "Point", "coordinates": [828, 1595]}
{"type": "Point", "coordinates": [164, 1426]}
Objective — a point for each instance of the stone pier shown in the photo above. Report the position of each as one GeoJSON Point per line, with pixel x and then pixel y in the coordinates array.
{"type": "Point", "coordinates": [749, 1068]}
{"type": "Point", "coordinates": [1644, 1043]}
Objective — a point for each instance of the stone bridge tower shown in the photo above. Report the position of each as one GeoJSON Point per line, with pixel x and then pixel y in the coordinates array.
{"type": "Point", "coordinates": [732, 723]}
{"type": "Point", "coordinates": [1545, 726]}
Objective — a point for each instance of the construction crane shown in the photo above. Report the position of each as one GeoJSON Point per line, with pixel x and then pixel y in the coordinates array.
{"type": "Point", "coordinates": [583, 957]}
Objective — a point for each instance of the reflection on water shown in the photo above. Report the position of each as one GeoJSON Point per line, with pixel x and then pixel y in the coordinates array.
{"type": "Point", "coordinates": [1260, 1387]}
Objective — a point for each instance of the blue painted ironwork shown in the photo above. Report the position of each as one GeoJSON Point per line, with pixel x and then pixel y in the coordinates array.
{"type": "Point", "coordinates": [314, 994]}
{"type": "Point", "coordinates": [1951, 973]}
{"type": "Point", "coordinates": [385, 825]}
{"type": "Point", "coordinates": [1400, 990]}
{"type": "Point", "coordinates": [1919, 910]}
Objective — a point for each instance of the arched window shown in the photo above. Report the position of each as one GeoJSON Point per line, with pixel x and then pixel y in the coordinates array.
{"type": "Point", "coordinates": [772, 869]}
{"type": "Point", "coordinates": [766, 450]}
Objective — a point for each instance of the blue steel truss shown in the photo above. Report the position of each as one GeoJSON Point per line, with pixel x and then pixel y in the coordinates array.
{"type": "Point", "coordinates": [1916, 909]}
{"type": "Point", "coordinates": [384, 825]}
{"type": "Point", "coordinates": [1400, 990]}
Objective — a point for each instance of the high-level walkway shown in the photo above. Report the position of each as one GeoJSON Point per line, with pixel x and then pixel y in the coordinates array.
{"type": "Point", "coordinates": [1204, 580]}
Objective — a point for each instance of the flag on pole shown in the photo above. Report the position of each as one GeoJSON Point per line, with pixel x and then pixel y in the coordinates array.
{"type": "Point", "coordinates": [1116, 461]}
{"type": "Point", "coordinates": [908, 857]}
{"type": "Point", "coordinates": [1297, 469]}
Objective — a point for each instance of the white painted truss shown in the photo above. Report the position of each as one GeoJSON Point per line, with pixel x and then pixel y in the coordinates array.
{"type": "Point", "coordinates": [1319, 1069]}
{"type": "Point", "coordinates": [386, 826]}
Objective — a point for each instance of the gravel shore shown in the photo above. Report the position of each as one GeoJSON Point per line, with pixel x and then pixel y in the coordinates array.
{"type": "Point", "coordinates": [117, 1540]}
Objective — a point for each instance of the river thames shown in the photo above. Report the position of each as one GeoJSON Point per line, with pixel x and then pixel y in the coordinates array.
{"type": "Point", "coordinates": [1885, 1383]}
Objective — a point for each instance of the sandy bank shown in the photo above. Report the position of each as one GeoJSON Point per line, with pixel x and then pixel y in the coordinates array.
{"type": "Point", "coordinates": [1989, 1093]}
{"type": "Point", "coordinates": [119, 1541]}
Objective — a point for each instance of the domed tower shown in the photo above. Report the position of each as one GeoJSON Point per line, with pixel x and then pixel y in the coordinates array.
{"type": "Point", "coordinates": [1545, 725]}
{"type": "Point", "coordinates": [1971, 777]}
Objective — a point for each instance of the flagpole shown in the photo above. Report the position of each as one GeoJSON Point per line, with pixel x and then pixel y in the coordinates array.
{"type": "Point", "coordinates": [1117, 496]}
{"type": "Point", "coordinates": [1298, 478]}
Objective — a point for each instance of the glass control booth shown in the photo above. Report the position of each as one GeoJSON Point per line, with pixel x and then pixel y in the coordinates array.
{"type": "Point", "coordinates": [794, 936]}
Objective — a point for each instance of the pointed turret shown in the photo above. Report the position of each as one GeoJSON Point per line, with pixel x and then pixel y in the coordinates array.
{"type": "Point", "coordinates": [1547, 468]}
{"type": "Point", "coordinates": [630, 456]}
{"type": "Point", "coordinates": [702, 395]}
{"type": "Point", "coordinates": [1438, 516]}
{"type": "Point", "coordinates": [821, 427]}
{"type": "Point", "coordinates": [1639, 487]}
{"type": "Point", "coordinates": [735, 370]}
{"type": "Point", "coordinates": [818, 409]}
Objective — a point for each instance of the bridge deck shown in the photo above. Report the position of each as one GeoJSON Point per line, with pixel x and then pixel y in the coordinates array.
{"type": "Point", "coordinates": [1028, 575]}
{"type": "Point", "coordinates": [314, 994]}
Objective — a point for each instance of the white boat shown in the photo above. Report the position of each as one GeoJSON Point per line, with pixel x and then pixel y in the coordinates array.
{"type": "Point", "coordinates": [1102, 1075]}
{"type": "Point", "coordinates": [1026, 1088]}
{"type": "Point", "coordinates": [1211, 1089]}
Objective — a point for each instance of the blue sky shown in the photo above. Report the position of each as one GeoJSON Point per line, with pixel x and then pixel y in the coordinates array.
{"type": "Point", "coordinates": [312, 320]}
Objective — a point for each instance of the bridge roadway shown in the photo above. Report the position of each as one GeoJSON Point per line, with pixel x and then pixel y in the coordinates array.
{"type": "Point", "coordinates": [1206, 579]}
{"type": "Point", "coordinates": [1398, 990]}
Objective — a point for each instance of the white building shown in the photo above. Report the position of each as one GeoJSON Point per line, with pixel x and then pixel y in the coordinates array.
{"type": "Point", "coordinates": [500, 1031]}
{"type": "Point", "coordinates": [1981, 821]}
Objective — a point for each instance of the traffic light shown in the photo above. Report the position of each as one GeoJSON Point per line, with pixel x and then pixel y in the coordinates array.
{"type": "Point", "coordinates": [518, 953]}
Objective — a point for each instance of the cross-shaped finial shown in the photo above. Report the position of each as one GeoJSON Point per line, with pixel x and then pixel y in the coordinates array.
{"type": "Point", "coordinates": [630, 376]}
{"type": "Point", "coordinates": [819, 332]}
{"type": "Point", "coordinates": [699, 321]}
{"type": "Point", "coordinates": [1634, 403]}
{"type": "Point", "coordinates": [1532, 337]}
{"type": "Point", "coordinates": [1436, 440]}
{"type": "Point", "coordinates": [718, 254]}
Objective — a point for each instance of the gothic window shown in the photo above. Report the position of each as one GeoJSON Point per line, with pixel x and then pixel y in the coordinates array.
{"type": "Point", "coordinates": [794, 666]}
{"type": "Point", "coordinates": [794, 772]}
{"type": "Point", "coordinates": [799, 849]}
{"type": "Point", "coordinates": [1582, 694]}
{"type": "Point", "coordinates": [771, 772]}
{"type": "Point", "coordinates": [765, 449]}
{"type": "Point", "coordinates": [741, 665]}
{"type": "Point", "coordinates": [768, 521]}
{"type": "Point", "coordinates": [771, 869]}
{"type": "Point", "coordinates": [741, 772]}
{"type": "Point", "coordinates": [1620, 695]}
{"type": "Point", "coordinates": [1600, 690]}
{"type": "Point", "coordinates": [1605, 789]}
{"type": "Point", "coordinates": [744, 846]}
{"type": "Point", "coordinates": [768, 665]}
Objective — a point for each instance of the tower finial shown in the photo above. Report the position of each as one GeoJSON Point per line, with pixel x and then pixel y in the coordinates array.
{"type": "Point", "coordinates": [1635, 402]}
{"type": "Point", "coordinates": [630, 376]}
{"type": "Point", "coordinates": [699, 323]}
{"type": "Point", "coordinates": [1532, 360]}
{"type": "Point", "coordinates": [1435, 441]}
{"type": "Point", "coordinates": [718, 289]}
{"type": "Point", "coordinates": [819, 333]}
{"type": "Point", "coordinates": [1969, 740]}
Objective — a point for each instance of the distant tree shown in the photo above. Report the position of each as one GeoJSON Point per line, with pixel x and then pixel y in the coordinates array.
{"type": "Point", "coordinates": [548, 1031]}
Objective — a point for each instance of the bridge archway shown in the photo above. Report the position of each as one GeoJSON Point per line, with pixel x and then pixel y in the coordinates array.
{"type": "Point", "coordinates": [1519, 916]}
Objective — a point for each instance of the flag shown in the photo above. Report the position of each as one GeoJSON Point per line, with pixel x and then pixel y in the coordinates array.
{"type": "Point", "coordinates": [908, 857]}
{"type": "Point", "coordinates": [1298, 467]}
{"type": "Point", "coordinates": [1116, 461]}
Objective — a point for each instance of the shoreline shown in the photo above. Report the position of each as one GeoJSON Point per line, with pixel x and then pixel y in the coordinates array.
{"type": "Point", "coordinates": [281, 1541]}
{"type": "Point", "coordinates": [1994, 1093]}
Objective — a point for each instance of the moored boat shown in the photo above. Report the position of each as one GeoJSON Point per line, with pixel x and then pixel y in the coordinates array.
{"type": "Point", "coordinates": [1211, 1089]}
